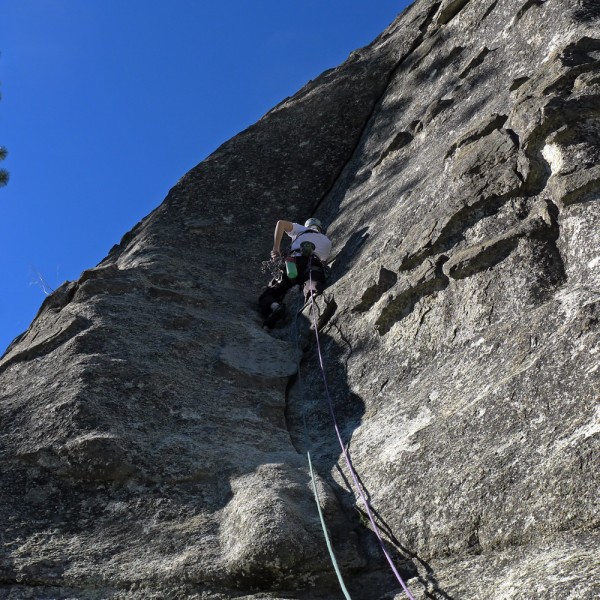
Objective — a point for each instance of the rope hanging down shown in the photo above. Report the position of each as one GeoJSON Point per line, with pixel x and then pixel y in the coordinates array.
{"type": "Point", "coordinates": [343, 447]}
{"type": "Point", "coordinates": [310, 467]}
{"type": "Point", "coordinates": [324, 527]}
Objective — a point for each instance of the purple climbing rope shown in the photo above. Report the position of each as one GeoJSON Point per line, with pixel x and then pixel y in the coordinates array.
{"type": "Point", "coordinates": [345, 452]}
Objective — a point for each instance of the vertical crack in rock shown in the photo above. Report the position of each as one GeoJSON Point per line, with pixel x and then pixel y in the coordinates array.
{"type": "Point", "coordinates": [423, 30]}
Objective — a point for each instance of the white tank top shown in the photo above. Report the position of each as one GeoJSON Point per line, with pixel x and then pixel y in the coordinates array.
{"type": "Point", "coordinates": [320, 240]}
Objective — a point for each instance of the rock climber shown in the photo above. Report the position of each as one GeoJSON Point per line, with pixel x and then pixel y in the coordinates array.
{"type": "Point", "coordinates": [309, 252]}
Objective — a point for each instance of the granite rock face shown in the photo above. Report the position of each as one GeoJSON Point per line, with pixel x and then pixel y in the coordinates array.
{"type": "Point", "coordinates": [153, 434]}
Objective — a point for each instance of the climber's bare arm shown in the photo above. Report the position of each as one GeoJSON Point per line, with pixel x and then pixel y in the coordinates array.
{"type": "Point", "coordinates": [280, 228]}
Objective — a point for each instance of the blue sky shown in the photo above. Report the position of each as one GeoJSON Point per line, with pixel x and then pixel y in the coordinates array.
{"type": "Point", "coordinates": [107, 103]}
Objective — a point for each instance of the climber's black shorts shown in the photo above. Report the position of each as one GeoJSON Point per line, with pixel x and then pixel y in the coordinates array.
{"type": "Point", "coordinates": [277, 288]}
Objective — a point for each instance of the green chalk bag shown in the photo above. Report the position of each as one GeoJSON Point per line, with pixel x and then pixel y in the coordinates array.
{"type": "Point", "coordinates": [290, 267]}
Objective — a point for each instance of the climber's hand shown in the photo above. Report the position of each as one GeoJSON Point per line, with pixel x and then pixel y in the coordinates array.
{"type": "Point", "coordinates": [275, 254]}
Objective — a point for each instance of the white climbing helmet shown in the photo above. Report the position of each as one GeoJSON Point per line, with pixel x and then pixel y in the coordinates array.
{"type": "Point", "coordinates": [313, 223]}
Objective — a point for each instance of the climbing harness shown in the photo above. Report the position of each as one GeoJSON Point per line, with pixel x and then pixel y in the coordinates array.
{"type": "Point", "coordinates": [310, 466]}
{"type": "Point", "coordinates": [345, 452]}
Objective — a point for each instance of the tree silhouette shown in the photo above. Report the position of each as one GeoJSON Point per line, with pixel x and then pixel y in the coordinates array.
{"type": "Point", "coordinates": [3, 172]}
{"type": "Point", "coordinates": [4, 175]}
